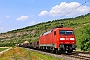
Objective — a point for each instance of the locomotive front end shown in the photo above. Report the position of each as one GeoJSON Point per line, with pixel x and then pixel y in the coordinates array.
{"type": "Point", "coordinates": [67, 40]}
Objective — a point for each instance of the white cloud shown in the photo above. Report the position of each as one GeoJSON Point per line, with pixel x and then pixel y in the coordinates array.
{"type": "Point", "coordinates": [7, 16]}
{"type": "Point", "coordinates": [43, 13]}
{"type": "Point", "coordinates": [65, 8]}
{"type": "Point", "coordinates": [23, 18]}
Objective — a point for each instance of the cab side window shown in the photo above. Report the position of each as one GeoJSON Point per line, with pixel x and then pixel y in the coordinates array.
{"type": "Point", "coordinates": [54, 32]}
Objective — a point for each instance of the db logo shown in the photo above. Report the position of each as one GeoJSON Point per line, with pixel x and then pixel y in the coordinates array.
{"type": "Point", "coordinates": [67, 38]}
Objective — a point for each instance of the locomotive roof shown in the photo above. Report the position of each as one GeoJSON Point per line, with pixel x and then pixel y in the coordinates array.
{"type": "Point", "coordinates": [64, 28]}
{"type": "Point", "coordinates": [47, 32]}
{"type": "Point", "coordinates": [56, 29]}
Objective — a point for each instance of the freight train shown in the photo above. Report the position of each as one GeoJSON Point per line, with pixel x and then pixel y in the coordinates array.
{"type": "Point", "coordinates": [57, 40]}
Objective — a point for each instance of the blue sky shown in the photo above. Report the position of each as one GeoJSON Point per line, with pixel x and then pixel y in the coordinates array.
{"type": "Point", "coordinates": [15, 14]}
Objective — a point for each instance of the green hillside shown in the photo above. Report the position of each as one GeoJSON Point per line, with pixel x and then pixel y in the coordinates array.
{"type": "Point", "coordinates": [80, 24]}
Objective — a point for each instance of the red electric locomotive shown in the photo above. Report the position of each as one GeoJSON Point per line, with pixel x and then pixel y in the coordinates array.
{"type": "Point", "coordinates": [58, 40]}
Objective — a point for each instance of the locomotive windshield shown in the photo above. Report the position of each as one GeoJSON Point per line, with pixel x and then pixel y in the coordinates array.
{"type": "Point", "coordinates": [66, 32]}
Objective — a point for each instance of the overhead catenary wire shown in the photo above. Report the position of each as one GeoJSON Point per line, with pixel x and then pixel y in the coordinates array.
{"type": "Point", "coordinates": [61, 6]}
{"type": "Point", "coordinates": [75, 8]}
{"type": "Point", "coordinates": [71, 10]}
{"type": "Point", "coordinates": [66, 7]}
{"type": "Point", "coordinates": [57, 10]}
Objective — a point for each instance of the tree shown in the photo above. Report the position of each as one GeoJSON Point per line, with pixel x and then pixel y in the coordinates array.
{"type": "Point", "coordinates": [85, 39]}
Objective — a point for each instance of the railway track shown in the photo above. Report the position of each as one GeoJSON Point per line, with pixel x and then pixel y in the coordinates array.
{"type": "Point", "coordinates": [73, 56]}
{"type": "Point", "coordinates": [80, 55]}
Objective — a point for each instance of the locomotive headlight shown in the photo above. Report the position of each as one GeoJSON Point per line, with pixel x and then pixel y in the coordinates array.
{"type": "Point", "coordinates": [72, 39]}
{"type": "Point", "coordinates": [62, 38]}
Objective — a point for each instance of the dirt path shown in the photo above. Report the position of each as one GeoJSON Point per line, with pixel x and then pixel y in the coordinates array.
{"type": "Point", "coordinates": [4, 47]}
{"type": "Point", "coordinates": [8, 48]}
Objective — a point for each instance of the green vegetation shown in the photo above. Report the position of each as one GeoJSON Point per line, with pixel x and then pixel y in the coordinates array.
{"type": "Point", "coordinates": [1, 49]}
{"type": "Point", "coordinates": [38, 56]}
{"type": "Point", "coordinates": [85, 38]}
{"type": "Point", "coordinates": [17, 53]}
{"type": "Point", "coordinates": [32, 33]}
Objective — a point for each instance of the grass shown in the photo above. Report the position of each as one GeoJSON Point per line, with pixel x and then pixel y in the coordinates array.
{"type": "Point", "coordinates": [17, 53]}
{"type": "Point", "coordinates": [38, 56]}
{"type": "Point", "coordinates": [1, 49]}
